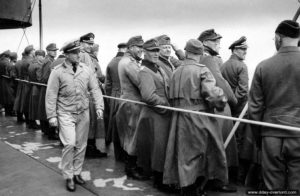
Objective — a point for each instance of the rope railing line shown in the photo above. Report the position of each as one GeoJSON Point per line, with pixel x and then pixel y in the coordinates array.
{"type": "Point", "coordinates": [241, 120]}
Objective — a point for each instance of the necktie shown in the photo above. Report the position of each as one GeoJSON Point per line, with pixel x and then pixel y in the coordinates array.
{"type": "Point", "coordinates": [74, 68]}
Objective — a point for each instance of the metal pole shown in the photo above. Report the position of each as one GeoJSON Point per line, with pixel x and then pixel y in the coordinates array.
{"type": "Point", "coordinates": [41, 24]}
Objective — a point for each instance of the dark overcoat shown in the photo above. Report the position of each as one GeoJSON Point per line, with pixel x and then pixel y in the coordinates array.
{"type": "Point", "coordinates": [214, 63]}
{"type": "Point", "coordinates": [33, 71]}
{"type": "Point", "coordinates": [42, 77]}
{"type": "Point", "coordinates": [23, 90]}
{"type": "Point", "coordinates": [195, 145]}
{"type": "Point", "coordinates": [112, 88]}
{"type": "Point", "coordinates": [128, 113]}
{"type": "Point", "coordinates": [153, 125]}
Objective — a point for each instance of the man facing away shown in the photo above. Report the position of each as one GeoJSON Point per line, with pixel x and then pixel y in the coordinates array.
{"type": "Point", "coordinates": [112, 88]}
{"type": "Point", "coordinates": [67, 106]}
{"type": "Point", "coordinates": [195, 150]}
{"type": "Point", "coordinates": [274, 98]}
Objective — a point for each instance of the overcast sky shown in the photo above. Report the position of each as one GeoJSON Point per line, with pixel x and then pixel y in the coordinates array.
{"type": "Point", "coordinates": [115, 21]}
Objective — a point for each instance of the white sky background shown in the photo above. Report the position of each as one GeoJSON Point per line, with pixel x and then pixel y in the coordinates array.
{"type": "Point", "coordinates": [115, 21]}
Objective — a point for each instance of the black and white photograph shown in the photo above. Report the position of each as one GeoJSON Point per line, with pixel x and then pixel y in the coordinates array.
{"type": "Point", "coordinates": [149, 98]}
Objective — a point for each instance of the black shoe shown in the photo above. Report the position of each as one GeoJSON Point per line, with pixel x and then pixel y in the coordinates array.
{"type": "Point", "coordinates": [78, 180]}
{"type": "Point", "coordinates": [53, 137]}
{"type": "Point", "coordinates": [20, 120]}
{"type": "Point", "coordinates": [134, 174]}
{"type": "Point", "coordinates": [93, 152]}
{"type": "Point", "coordinates": [70, 185]}
{"type": "Point", "coordinates": [225, 189]}
{"type": "Point", "coordinates": [33, 126]}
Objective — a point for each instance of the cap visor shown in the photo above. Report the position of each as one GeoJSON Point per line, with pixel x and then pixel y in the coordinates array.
{"type": "Point", "coordinates": [152, 49]}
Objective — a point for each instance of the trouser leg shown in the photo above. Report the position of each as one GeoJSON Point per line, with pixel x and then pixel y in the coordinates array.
{"type": "Point", "coordinates": [82, 130]}
{"type": "Point", "coordinates": [293, 163]}
{"type": "Point", "coordinates": [273, 164]}
{"type": "Point", "coordinates": [67, 136]}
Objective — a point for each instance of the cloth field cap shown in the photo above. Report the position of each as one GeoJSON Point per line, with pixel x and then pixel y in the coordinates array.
{"type": "Point", "coordinates": [13, 56]}
{"type": "Point", "coordinates": [240, 43]}
{"type": "Point", "coordinates": [194, 46]}
{"type": "Point", "coordinates": [209, 34]}
{"type": "Point", "coordinates": [51, 47]}
{"type": "Point", "coordinates": [135, 41]}
{"type": "Point", "coordinates": [6, 53]}
{"type": "Point", "coordinates": [28, 49]}
{"type": "Point", "coordinates": [122, 45]}
{"type": "Point", "coordinates": [163, 40]}
{"type": "Point", "coordinates": [288, 28]}
{"type": "Point", "coordinates": [151, 45]}
{"type": "Point", "coordinates": [87, 38]}
{"type": "Point", "coordinates": [40, 53]}
{"type": "Point", "coordinates": [71, 47]}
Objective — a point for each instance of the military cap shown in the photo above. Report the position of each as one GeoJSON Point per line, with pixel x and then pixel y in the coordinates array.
{"type": "Point", "coordinates": [164, 40]}
{"type": "Point", "coordinates": [240, 43]}
{"type": "Point", "coordinates": [209, 34]}
{"type": "Point", "coordinates": [51, 47]}
{"type": "Point", "coordinates": [122, 45]}
{"type": "Point", "coordinates": [151, 45]}
{"type": "Point", "coordinates": [40, 53]}
{"type": "Point", "coordinates": [13, 56]}
{"type": "Point", "coordinates": [135, 41]}
{"type": "Point", "coordinates": [6, 53]}
{"type": "Point", "coordinates": [71, 46]}
{"type": "Point", "coordinates": [87, 38]}
{"type": "Point", "coordinates": [288, 28]}
{"type": "Point", "coordinates": [194, 46]}
{"type": "Point", "coordinates": [28, 49]}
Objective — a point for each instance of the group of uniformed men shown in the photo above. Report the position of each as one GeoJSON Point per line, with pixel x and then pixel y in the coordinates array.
{"type": "Point", "coordinates": [179, 150]}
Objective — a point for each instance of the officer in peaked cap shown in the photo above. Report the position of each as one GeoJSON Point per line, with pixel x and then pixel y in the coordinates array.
{"type": "Point", "coordinates": [88, 38]}
{"type": "Point", "coordinates": [122, 45]}
{"type": "Point", "coordinates": [51, 132]}
{"type": "Point", "coordinates": [71, 47]}
{"type": "Point", "coordinates": [87, 41]}
{"type": "Point", "coordinates": [235, 72]}
{"type": "Point", "coordinates": [240, 43]}
{"type": "Point", "coordinates": [73, 124]}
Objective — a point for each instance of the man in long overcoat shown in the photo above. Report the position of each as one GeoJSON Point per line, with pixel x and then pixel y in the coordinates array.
{"type": "Point", "coordinates": [274, 98]}
{"type": "Point", "coordinates": [6, 98]}
{"type": "Point", "coordinates": [211, 41]}
{"type": "Point", "coordinates": [153, 124]}
{"type": "Point", "coordinates": [195, 151]}
{"type": "Point", "coordinates": [128, 113]}
{"type": "Point", "coordinates": [112, 88]}
{"type": "Point", "coordinates": [21, 104]}
{"type": "Point", "coordinates": [43, 76]}
{"type": "Point", "coordinates": [33, 74]}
